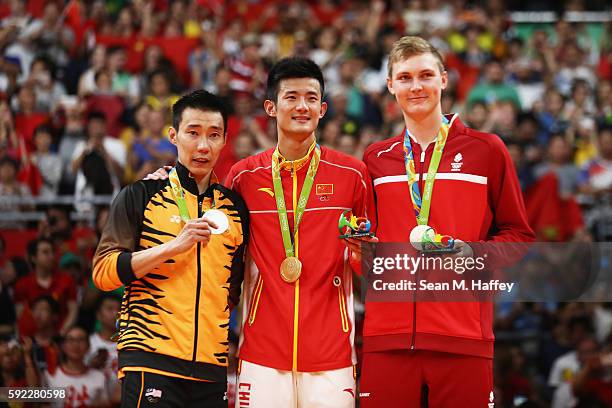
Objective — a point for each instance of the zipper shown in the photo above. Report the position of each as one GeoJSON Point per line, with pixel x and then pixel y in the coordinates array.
{"type": "Point", "coordinates": [296, 303]}
{"type": "Point", "coordinates": [414, 294]}
{"type": "Point", "coordinates": [414, 306]}
{"type": "Point", "coordinates": [197, 302]}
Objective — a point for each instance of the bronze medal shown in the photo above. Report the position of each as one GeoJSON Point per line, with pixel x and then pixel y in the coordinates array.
{"type": "Point", "coordinates": [291, 269]}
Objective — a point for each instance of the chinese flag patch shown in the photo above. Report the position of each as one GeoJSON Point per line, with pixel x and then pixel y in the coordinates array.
{"type": "Point", "coordinates": [324, 189]}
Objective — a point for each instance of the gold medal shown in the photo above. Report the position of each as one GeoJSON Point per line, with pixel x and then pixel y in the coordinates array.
{"type": "Point", "coordinates": [291, 269]}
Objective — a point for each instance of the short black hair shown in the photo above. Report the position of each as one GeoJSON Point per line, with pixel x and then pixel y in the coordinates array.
{"type": "Point", "coordinates": [114, 49]}
{"type": "Point", "coordinates": [33, 246]}
{"type": "Point", "coordinates": [292, 67]}
{"type": "Point", "coordinates": [104, 297]}
{"type": "Point", "coordinates": [44, 128]}
{"type": "Point", "coordinates": [9, 160]}
{"type": "Point", "coordinates": [96, 115]}
{"type": "Point", "coordinates": [201, 100]}
{"type": "Point", "coordinates": [50, 300]}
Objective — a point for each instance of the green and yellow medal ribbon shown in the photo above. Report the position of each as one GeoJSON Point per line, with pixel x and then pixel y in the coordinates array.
{"type": "Point", "coordinates": [303, 200]}
{"type": "Point", "coordinates": [422, 204]}
{"type": "Point", "coordinates": [179, 195]}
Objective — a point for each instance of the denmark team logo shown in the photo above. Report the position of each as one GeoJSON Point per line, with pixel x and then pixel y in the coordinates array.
{"type": "Point", "coordinates": [457, 162]}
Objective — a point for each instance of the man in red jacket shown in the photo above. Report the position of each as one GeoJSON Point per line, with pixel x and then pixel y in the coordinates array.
{"type": "Point", "coordinates": [444, 347]}
{"type": "Point", "coordinates": [296, 345]}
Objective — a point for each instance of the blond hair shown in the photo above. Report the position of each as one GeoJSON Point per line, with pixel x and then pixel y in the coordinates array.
{"type": "Point", "coordinates": [410, 46]}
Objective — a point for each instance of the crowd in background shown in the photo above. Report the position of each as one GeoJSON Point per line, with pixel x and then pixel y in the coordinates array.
{"type": "Point", "coordinates": [86, 89]}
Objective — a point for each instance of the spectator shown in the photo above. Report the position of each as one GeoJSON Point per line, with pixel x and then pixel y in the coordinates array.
{"type": "Point", "coordinates": [581, 103]}
{"type": "Point", "coordinates": [48, 90]}
{"type": "Point", "coordinates": [99, 162]}
{"type": "Point", "coordinates": [550, 116]}
{"type": "Point", "coordinates": [204, 60]}
{"type": "Point", "coordinates": [247, 71]}
{"type": "Point", "coordinates": [572, 67]}
{"type": "Point", "coordinates": [565, 367]}
{"type": "Point", "coordinates": [529, 84]}
{"type": "Point", "coordinates": [48, 163]}
{"type": "Point", "coordinates": [74, 133]}
{"type": "Point", "coordinates": [152, 148]}
{"type": "Point", "coordinates": [9, 143]}
{"type": "Point", "coordinates": [558, 162]}
{"type": "Point", "coordinates": [124, 84]}
{"type": "Point", "coordinates": [49, 36]}
{"type": "Point", "coordinates": [244, 145]}
{"type": "Point", "coordinates": [593, 384]}
{"type": "Point", "coordinates": [597, 175]}
{"type": "Point", "coordinates": [27, 117]}
{"type": "Point", "coordinates": [328, 53]}
{"type": "Point", "coordinates": [347, 144]}
{"type": "Point", "coordinates": [510, 376]}
{"type": "Point", "coordinates": [16, 366]}
{"type": "Point", "coordinates": [493, 88]}
{"type": "Point", "coordinates": [102, 353]}
{"type": "Point", "coordinates": [160, 96]}
{"type": "Point", "coordinates": [97, 62]}
{"type": "Point", "coordinates": [45, 280]}
{"type": "Point", "coordinates": [45, 352]}
{"type": "Point", "coordinates": [17, 47]}
{"type": "Point", "coordinates": [8, 275]}
{"type": "Point", "coordinates": [10, 190]}
{"type": "Point", "coordinates": [136, 131]}
{"type": "Point", "coordinates": [564, 396]}
{"type": "Point", "coordinates": [85, 387]}
{"type": "Point", "coordinates": [222, 89]}
{"type": "Point", "coordinates": [604, 101]}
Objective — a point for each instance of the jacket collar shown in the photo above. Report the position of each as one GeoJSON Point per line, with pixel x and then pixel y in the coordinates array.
{"type": "Point", "coordinates": [189, 184]}
{"type": "Point", "coordinates": [299, 163]}
{"type": "Point", "coordinates": [456, 127]}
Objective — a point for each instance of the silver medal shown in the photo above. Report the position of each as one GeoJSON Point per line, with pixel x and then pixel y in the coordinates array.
{"type": "Point", "coordinates": [219, 218]}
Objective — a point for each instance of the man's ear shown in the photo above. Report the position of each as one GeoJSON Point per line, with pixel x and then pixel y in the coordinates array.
{"type": "Point", "coordinates": [270, 108]}
{"type": "Point", "coordinates": [323, 110]}
{"type": "Point", "coordinates": [390, 86]}
{"type": "Point", "coordinates": [172, 135]}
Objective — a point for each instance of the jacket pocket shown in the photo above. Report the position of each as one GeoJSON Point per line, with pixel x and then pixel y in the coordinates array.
{"type": "Point", "coordinates": [255, 300]}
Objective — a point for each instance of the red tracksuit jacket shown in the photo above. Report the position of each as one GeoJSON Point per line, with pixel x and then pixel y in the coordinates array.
{"type": "Point", "coordinates": [306, 326]}
{"type": "Point", "coordinates": [476, 198]}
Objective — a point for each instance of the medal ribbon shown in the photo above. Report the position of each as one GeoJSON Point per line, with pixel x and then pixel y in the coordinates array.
{"type": "Point", "coordinates": [301, 205]}
{"type": "Point", "coordinates": [179, 194]}
{"type": "Point", "coordinates": [422, 205]}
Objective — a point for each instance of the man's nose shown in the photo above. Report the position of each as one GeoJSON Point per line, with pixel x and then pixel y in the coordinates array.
{"type": "Point", "coordinates": [302, 105]}
{"type": "Point", "coordinates": [203, 144]}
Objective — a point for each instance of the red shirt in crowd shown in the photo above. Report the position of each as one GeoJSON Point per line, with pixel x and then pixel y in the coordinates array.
{"type": "Point", "coordinates": [27, 289]}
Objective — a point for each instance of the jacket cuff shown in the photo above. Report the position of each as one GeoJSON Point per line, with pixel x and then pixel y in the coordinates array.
{"type": "Point", "coordinates": [124, 268]}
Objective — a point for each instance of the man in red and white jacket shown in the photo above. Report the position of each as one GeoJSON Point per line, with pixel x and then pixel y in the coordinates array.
{"type": "Point", "coordinates": [296, 346]}
{"type": "Point", "coordinates": [444, 346]}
